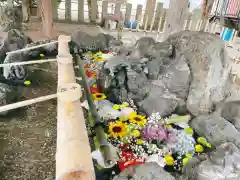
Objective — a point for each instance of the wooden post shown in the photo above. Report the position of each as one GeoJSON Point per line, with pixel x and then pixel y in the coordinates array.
{"type": "Point", "coordinates": [104, 9]}
{"type": "Point", "coordinates": [118, 7]}
{"type": "Point", "coordinates": [158, 14]}
{"type": "Point", "coordinates": [138, 13]}
{"type": "Point", "coordinates": [206, 9]}
{"type": "Point", "coordinates": [10, 3]}
{"type": "Point", "coordinates": [81, 10]}
{"type": "Point", "coordinates": [25, 13]}
{"type": "Point", "coordinates": [128, 13]}
{"type": "Point", "coordinates": [39, 9]}
{"type": "Point", "coordinates": [176, 16]}
{"type": "Point", "coordinates": [68, 10]}
{"type": "Point", "coordinates": [196, 15]}
{"type": "Point", "coordinates": [149, 11]}
{"type": "Point", "coordinates": [55, 5]}
{"type": "Point", "coordinates": [93, 11]}
{"type": "Point", "coordinates": [47, 19]}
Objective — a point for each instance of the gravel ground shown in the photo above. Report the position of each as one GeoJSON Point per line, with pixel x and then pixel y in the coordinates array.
{"type": "Point", "coordinates": [28, 135]}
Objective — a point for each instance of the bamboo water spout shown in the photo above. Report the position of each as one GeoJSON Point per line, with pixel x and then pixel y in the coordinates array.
{"type": "Point", "coordinates": [63, 48]}
{"type": "Point", "coordinates": [73, 157]}
{"type": "Point", "coordinates": [98, 122]}
{"type": "Point", "coordinates": [65, 61]}
{"type": "Point", "coordinates": [65, 69]}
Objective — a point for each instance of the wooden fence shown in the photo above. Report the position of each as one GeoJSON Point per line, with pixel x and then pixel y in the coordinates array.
{"type": "Point", "coordinates": [77, 12]}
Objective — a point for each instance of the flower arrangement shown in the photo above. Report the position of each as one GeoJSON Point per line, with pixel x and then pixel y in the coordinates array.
{"type": "Point", "coordinates": [138, 137]}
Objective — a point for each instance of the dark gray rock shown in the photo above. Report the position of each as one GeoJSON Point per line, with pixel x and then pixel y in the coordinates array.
{"type": "Point", "coordinates": [11, 18]}
{"type": "Point", "coordinates": [231, 112]}
{"type": "Point", "coordinates": [209, 65]}
{"type": "Point", "coordinates": [50, 50]}
{"type": "Point", "coordinates": [162, 104]}
{"type": "Point", "coordinates": [143, 47]}
{"type": "Point", "coordinates": [14, 40]}
{"type": "Point", "coordinates": [222, 164]}
{"type": "Point", "coordinates": [8, 94]}
{"type": "Point", "coordinates": [136, 83]}
{"type": "Point", "coordinates": [189, 171]}
{"type": "Point", "coordinates": [217, 130]}
{"type": "Point", "coordinates": [14, 72]}
{"type": "Point", "coordinates": [147, 171]}
{"type": "Point", "coordinates": [154, 67]}
{"type": "Point", "coordinates": [100, 42]}
{"type": "Point", "coordinates": [176, 76]}
{"type": "Point", "coordinates": [190, 66]}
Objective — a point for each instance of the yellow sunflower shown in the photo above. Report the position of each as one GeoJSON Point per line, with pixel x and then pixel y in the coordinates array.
{"type": "Point", "coordinates": [137, 119]}
{"type": "Point", "coordinates": [117, 129]}
{"type": "Point", "coordinates": [99, 96]}
{"type": "Point", "coordinates": [97, 59]}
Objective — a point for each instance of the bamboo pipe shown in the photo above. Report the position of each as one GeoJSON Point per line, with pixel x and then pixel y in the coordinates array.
{"type": "Point", "coordinates": [105, 149]}
{"type": "Point", "coordinates": [63, 48]}
{"type": "Point", "coordinates": [73, 155]}
{"type": "Point", "coordinates": [65, 69]}
{"type": "Point", "coordinates": [28, 62]}
{"type": "Point", "coordinates": [26, 103]}
{"type": "Point", "coordinates": [30, 48]}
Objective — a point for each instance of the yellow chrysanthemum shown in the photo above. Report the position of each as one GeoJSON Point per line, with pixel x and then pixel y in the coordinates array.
{"type": "Point", "coordinates": [188, 131]}
{"type": "Point", "coordinates": [99, 54]}
{"type": "Point", "coordinates": [169, 126]}
{"type": "Point", "coordinates": [203, 141]}
{"type": "Point", "coordinates": [90, 54]}
{"type": "Point", "coordinates": [116, 107]}
{"type": "Point", "coordinates": [185, 161]}
{"type": "Point", "coordinates": [117, 129]}
{"type": "Point", "coordinates": [139, 141]}
{"type": "Point", "coordinates": [199, 148]}
{"type": "Point", "coordinates": [27, 83]}
{"type": "Point", "coordinates": [99, 96]}
{"type": "Point", "coordinates": [137, 119]}
{"type": "Point", "coordinates": [41, 55]}
{"type": "Point", "coordinates": [169, 160]}
{"type": "Point", "coordinates": [136, 133]}
{"type": "Point", "coordinates": [97, 59]}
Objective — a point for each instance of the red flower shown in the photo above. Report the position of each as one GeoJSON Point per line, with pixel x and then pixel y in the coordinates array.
{"type": "Point", "coordinates": [128, 159]}
{"type": "Point", "coordinates": [94, 89]}
{"type": "Point", "coordinates": [86, 66]}
{"type": "Point", "coordinates": [90, 74]}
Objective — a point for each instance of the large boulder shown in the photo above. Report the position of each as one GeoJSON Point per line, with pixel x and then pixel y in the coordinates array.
{"type": "Point", "coordinates": [210, 67]}
{"type": "Point", "coordinates": [14, 40]}
{"type": "Point", "coordinates": [221, 164]}
{"type": "Point", "coordinates": [217, 130]}
{"type": "Point", "coordinates": [86, 42]}
{"type": "Point", "coordinates": [8, 94]}
{"type": "Point", "coordinates": [50, 50]}
{"type": "Point", "coordinates": [147, 171]}
{"type": "Point", "coordinates": [176, 76]}
{"type": "Point", "coordinates": [231, 112]}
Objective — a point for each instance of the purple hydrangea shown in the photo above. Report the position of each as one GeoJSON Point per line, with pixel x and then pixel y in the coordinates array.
{"type": "Point", "coordinates": [154, 132]}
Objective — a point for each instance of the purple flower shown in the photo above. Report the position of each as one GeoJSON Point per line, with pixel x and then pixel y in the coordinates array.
{"type": "Point", "coordinates": [154, 132]}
